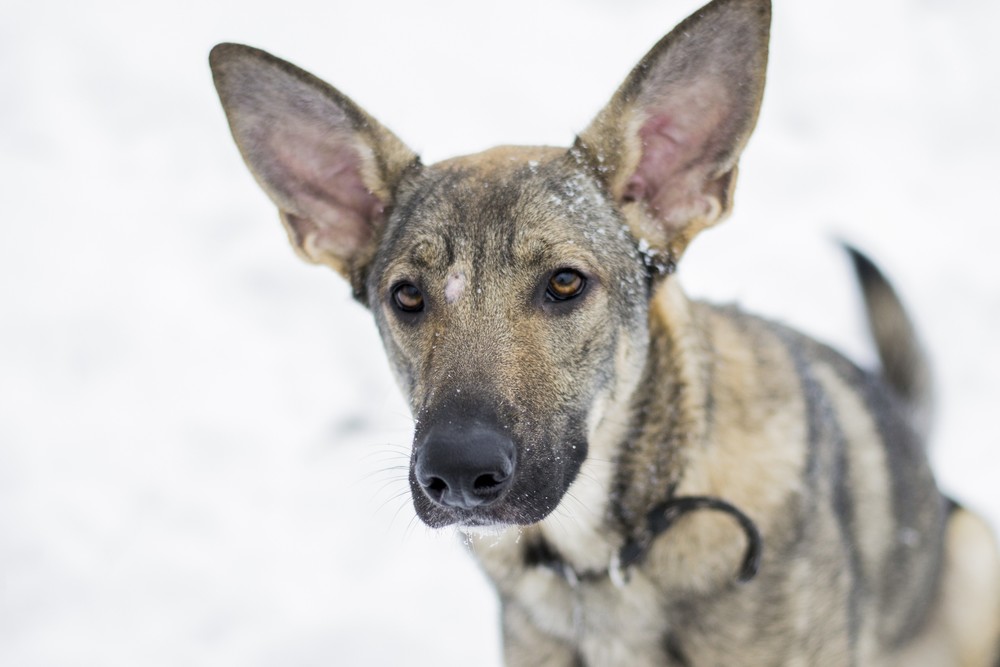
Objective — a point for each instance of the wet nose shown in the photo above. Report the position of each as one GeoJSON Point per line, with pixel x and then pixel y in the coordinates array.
{"type": "Point", "coordinates": [464, 466]}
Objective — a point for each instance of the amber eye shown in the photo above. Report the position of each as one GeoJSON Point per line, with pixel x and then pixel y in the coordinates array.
{"type": "Point", "coordinates": [408, 298]}
{"type": "Point", "coordinates": [565, 284]}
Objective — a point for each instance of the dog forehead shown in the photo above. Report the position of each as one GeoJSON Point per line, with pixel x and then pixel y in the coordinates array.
{"type": "Point", "coordinates": [507, 204]}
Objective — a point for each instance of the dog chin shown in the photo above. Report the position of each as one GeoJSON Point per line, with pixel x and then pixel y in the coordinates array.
{"type": "Point", "coordinates": [485, 530]}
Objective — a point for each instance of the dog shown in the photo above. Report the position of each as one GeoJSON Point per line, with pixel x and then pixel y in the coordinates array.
{"type": "Point", "coordinates": [647, 479]}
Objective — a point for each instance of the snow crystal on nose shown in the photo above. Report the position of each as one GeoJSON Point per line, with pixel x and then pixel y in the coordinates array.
{"type": "Point", "coordinates": [454, 287]}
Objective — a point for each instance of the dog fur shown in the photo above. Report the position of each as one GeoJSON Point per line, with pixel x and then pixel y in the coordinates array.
{"type": "Point", "coordinates": [569, 397]}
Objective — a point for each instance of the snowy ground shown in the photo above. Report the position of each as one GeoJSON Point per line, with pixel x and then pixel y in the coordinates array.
{"type": "Point", "coordinates": [199, 438]}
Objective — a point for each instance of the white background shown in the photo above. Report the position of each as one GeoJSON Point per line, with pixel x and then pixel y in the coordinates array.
{"type": "Point", "coordinates": [202, 455]}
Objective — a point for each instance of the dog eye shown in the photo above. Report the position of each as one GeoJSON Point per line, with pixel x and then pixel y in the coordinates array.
{"type": "Point", "coordinates": [565, 284]}
{"type": "Point", "coordinates": [408, 298]}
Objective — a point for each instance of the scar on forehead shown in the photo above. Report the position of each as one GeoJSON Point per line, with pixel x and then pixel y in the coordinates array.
{"type": "Point", "coordinates": [454, 287]}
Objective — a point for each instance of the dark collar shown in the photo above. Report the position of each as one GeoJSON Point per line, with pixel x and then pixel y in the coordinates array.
{"type": "Point", "coordinates": [633, 552]}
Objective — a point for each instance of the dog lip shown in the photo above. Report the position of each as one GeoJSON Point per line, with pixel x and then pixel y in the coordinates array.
{"type": "Point", "coordinates": [465, 520]}
{"type": "Point", "coordinates": [489, 517]}
{"type": "Point", "coordinates": [477, 523]}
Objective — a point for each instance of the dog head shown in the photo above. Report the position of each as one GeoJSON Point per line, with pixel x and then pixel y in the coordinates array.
{"type": "Point", "coordinates": [511, 288]}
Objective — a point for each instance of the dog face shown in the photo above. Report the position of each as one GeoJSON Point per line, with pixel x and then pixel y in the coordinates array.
{"type": "Point", "coordinates": [511, 297]}
{"type": "Point", "coordinates": [510, 287]}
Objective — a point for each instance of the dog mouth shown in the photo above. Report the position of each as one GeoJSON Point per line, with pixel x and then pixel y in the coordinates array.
{"type": "Point", "coordinates": [489, 520]}
{"type": "Point", "coordinates": [482, 527]}
{"type": "Point", "coordinates": [515, 508]}
{"type": "Point", "coordinates": [473, 465]}
{"type": "Point", "coordinates": [522, 491]}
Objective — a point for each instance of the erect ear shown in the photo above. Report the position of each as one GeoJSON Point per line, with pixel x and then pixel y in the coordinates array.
{"type": "Point", "coordinates": [668, 143]}
{"type": "Point", "coordinates": [331, 169]}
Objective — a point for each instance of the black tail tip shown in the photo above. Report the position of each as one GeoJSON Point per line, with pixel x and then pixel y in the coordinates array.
{"type": "Point", "coordinates": [863, 266]}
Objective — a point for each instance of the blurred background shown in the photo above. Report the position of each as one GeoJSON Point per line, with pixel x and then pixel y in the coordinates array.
{"type": "Point", "coordinates": [202, 453]}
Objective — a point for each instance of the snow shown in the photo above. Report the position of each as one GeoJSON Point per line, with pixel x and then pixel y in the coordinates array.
{"type": "Point", "coordinates": [202, 452]}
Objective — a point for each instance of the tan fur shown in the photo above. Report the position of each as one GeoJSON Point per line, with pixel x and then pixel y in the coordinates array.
{"type": "Point", "coordinates": [753, 457]}
{"type": "Point", "coordinates": [963, 630]}
{"type": "Point", "coordinates": [569, 398]}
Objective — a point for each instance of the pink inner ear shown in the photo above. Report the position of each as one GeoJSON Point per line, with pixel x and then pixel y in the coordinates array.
{"type": "Point", "coordinates": [322, 175]}
{"type": "Point", "coordinates": [663, 156]}
{"type": "Point", "coordinates": [678, 145]}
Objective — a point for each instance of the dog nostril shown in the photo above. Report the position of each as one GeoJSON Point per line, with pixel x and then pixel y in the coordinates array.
{"type": "Point", "coordinates": [437, 485]}
{"type": "Point", "coordinates": [487, 482]}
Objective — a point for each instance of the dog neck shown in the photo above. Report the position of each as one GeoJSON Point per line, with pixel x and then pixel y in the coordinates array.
{"type": "Point", "coordinates": [633, 552]}
{"type": "Point", "coordinates": [638, 455]}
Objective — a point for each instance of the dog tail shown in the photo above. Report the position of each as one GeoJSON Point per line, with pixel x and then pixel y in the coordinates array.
{"type": "Point", "coordinates": [905, 367]}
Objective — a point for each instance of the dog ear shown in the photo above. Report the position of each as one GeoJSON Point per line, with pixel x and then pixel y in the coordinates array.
{"type": "Point", "coordinates": [331, 169]}
{"type": "Point", "coordinates": [668, 143]}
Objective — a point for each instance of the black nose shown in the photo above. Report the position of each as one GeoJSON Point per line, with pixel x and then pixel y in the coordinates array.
{"type": "Point", "coordinates": [463, 466]}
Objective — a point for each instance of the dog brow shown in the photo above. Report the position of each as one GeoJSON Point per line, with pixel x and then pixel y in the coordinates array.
{"type": "Point", "coordinates": [430, 252]}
